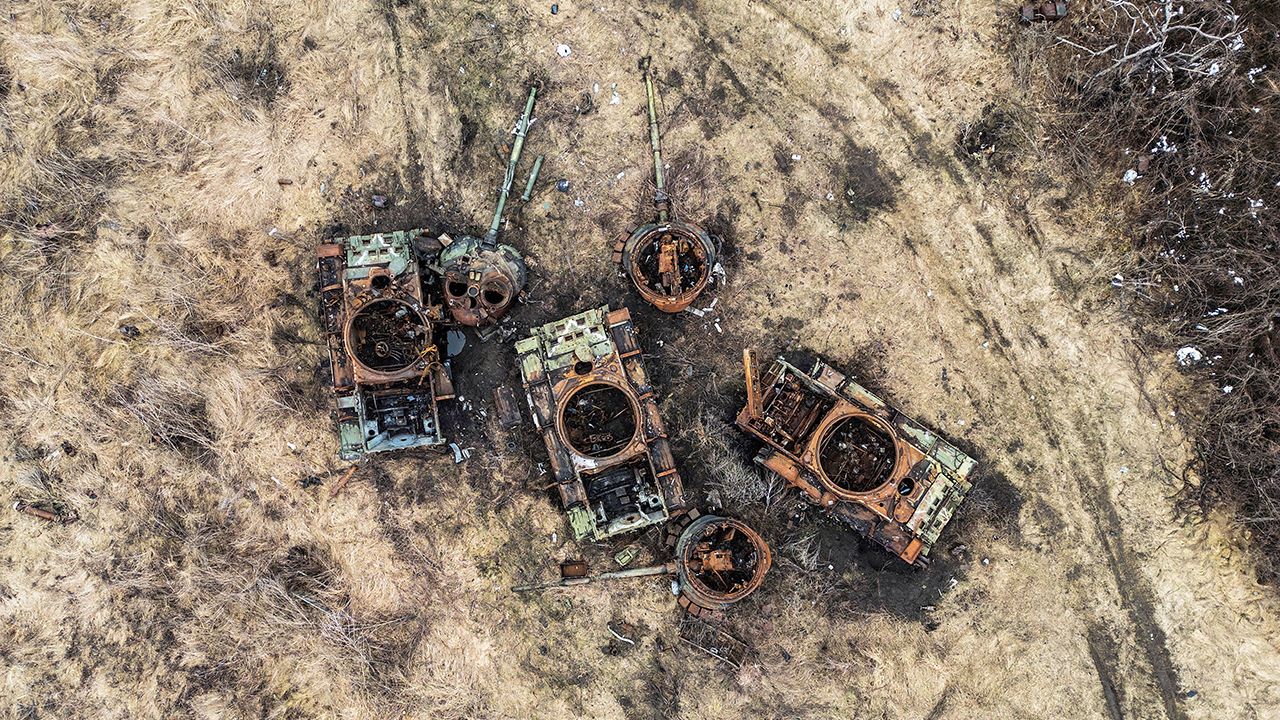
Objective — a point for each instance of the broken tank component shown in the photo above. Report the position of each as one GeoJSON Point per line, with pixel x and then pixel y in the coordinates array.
{"type": "Point", "coordinates": [482, 277]}
{"type": "Point", "coordinates": [717, 562]}
{"type": "Point", "coordinates": [387, 374]}
{"type": "Point", "coordinates": [881, 473]}
{"type": "Point", "coordinates": [591, 399]}
{"type": "Point", "coordinates": [670, 262]}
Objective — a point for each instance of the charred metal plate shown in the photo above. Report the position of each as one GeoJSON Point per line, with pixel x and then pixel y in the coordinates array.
{"type": "Point", "coordinates": [883, 474]}
{"type": "Point", "coordinates": [714, 641]}
{"type": "Point", "coordinates": [383, 350]}
{"type": "Point", "coordinates": [591, 400]}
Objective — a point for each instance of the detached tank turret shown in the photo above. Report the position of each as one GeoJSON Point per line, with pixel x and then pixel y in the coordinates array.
{"type": "Point", "coordinates": [717, 562]}
{"type": "Point", "coordinates": [670, 262]}
{"type": "Point", "coordinates": [483, 277]}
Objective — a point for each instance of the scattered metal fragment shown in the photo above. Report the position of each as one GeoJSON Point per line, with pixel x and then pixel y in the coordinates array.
{"type": "Point", "coordinates": [379, 201]}
{"type": "Point", "coordinates": [872, 467]}
{"type": "Point", "coordinates": [622, 626]}
{"type": "Point", "coordinates": [383, 348]}
{"type": "Point", "coordinates": [626, 555]}
{"type": "Point", "coordinates": [590, 397]}
{"type": "Point", "coordinates": [714, 641]}
{"type": "Point", "coordinates": [717, 562]}
{"type": "Point", "coordinates": [562, 185]}
{"type": "Point", "coordinates": [33, 510]}
{"type": "Point", "coordinates": [482, 278]}
{"type": "Point", "coordinates": [533, 178]}
{"type": "Point", "coordinates": [668, 261]}
{"type": "Point", "coordinates": [1043, 12]}
{"type": "Point", "coordinates": [342, 481]}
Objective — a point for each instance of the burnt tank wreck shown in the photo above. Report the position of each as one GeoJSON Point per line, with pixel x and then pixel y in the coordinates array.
{"type": "Point", "coordinates": [591, 400]}
{"type": "Point", "coordinates": [385, 299]}
{"type": "Point", "coordinates": [884, 475]}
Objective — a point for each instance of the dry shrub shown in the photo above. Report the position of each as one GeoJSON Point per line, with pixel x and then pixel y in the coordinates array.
{"type": "Point", "coordinates": [1180, 101]}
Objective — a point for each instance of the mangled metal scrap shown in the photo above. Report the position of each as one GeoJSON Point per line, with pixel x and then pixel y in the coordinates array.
{"type": "Point", "coordinates": [387, 373]}
{"type": "Point", "coordinates": [1042, 12]}
{"type": "Point", "coordinates": [482, 277]}
{"type": "Point", "coordinates": [881, 473]}
{"type": "Point", "coordinates": [716, 561]}
{"type": "Point", "coordinates": [591, 399]}
{"type": "Point", "coordinates": [670, 262]}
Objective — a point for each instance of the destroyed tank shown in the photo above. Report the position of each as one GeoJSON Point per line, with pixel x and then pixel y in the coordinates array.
{"type": "Point", "coordinates": [383, 351]}
{"type": "Point", "coordinates": [882, 474]}
{"type": "Point", "coordinates": [670, 262]}
{"type": "Point", "coordinates": [591, 400]}
{"type": "Point", "coordinates": [483, 277]}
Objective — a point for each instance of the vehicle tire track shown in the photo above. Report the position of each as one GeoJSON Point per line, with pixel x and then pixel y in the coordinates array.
{"type": "Point", "coordinates": [416, 172]}
{"type": "Point", "coordinates": [1132, 589]}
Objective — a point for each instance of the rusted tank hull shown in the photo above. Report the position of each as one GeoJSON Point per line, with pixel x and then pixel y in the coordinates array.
{"type": "Point", "coordinates": [383, 352]}
{"type": "Point", "coordinates": [591, 400]}
{"type": "Point", "coordinates": [881, 473]}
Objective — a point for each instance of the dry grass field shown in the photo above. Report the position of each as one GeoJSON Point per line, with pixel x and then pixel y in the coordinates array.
{"type": "Point", "coordinates": [168, 167]}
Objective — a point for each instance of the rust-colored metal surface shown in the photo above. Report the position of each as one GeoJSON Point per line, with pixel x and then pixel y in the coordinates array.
{"type": "Point", "coordinates": [383, 351]}
{"type": "Point", "coordinates": [591, 399]}
{"type": "Point", "coordinates": [481, 281]}
{"type": "Point", "coordinates": [872, 467]}
{"type": "Point", "coordinates": [719, 561]}
{"type": "Point", "coordinates": [1043, 12]}
{"type": "Point", "coordinates": [669, 262]}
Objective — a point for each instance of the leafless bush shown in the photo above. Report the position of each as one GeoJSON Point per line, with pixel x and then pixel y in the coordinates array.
{"type": "Point", "coordinates": [1180, 101]}
{"type": "Point", "coordinates": [740, 483]}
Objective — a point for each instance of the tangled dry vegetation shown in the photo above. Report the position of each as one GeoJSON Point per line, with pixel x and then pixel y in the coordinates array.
{"type": "Point", "coordinates": [1176, 106]}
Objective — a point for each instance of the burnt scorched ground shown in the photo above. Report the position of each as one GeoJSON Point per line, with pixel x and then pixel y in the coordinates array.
{"type": "Point", "coordinates": [164, 375]}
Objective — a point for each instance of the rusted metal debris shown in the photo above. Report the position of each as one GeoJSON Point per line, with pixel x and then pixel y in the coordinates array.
{"type": "Point", "coordinates": [33, 510]}
{"type": "Point", "coordinates": [670, 262]}
{"type": "Point", "coordinates": [590, 397]}
{"type": "Point", "coordinates": [716, 561]}
{"type": "Point", "coordinates": [872, 467]}
{"type": "Point", "coordinates": [383, 347]}
{"type": "Point", "coordinates": [382, 311]}
{"type": "Point", "coordinates": [714, 641]}
{"type": "Point", "coordinates": [1043, 12]}
{"type": "Point", "coordinates": [482, 277]}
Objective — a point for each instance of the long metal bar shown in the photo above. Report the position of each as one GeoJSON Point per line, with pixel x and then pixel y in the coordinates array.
{"type": "Point", "coordinates": [667, 569]}
{"type": "Point", "coordinates": [660, 197]}
{"type": "Point", "coordinates": [522, 129]}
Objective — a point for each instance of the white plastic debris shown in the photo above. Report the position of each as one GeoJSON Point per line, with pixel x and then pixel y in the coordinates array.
{"type": "Point", "coordinates": [1226, 389]}
{"type": "Point", "coordinates": [1189, 355]}
{"type": "Point", "coordinates": [1130, 176]}
{"type": "Point", "coordinates": [675, 587]}
{"type": "Point", "coordinates": [795, 158]}
{"type": "Point", "coordinates": [897, 14]}
{"type": "Point", "coordinates": [614, 97]}
{"type": "Point", "coordinates": [563, 50]}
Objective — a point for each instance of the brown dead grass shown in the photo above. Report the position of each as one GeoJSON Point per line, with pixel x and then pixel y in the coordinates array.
{"type": "Point", "coordinates": [139, 185]}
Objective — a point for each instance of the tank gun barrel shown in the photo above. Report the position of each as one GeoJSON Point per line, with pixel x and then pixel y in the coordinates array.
{"type": "Point", "coordinates": [650, 571]}
{"type": "Point", "coordinates": [522, 129]}
{"type": "Point", "coordinates": [660, 199]}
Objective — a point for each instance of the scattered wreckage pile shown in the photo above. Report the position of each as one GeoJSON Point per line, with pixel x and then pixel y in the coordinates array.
{"type": "Point", "coordinates": [388, 298]}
